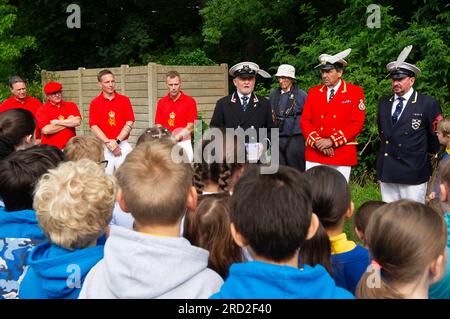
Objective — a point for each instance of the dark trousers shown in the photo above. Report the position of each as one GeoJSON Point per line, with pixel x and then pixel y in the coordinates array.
{"type": "Point", "coordinates": [292, 151]}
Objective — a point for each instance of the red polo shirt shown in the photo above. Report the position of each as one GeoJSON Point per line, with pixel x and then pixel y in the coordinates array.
{"type": "Point", "coordinates": [177, 114]}
{"type": "Point", "coordinates": [30, 104]}
{"type": "Point", "coordinates": [48, 112]}
{"type": "Point", "coordinates": [110, 115]}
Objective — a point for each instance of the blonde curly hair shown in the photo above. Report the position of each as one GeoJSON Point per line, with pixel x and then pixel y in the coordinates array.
{"type": "Point", "coordinates": [74, 203]}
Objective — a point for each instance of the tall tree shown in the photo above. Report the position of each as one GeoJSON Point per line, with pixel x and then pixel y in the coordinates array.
{"type": "Point", "coordinates": [12, 46]}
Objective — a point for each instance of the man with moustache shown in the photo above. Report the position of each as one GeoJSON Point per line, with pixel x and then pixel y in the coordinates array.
{"type": "Point", "coordinates": [333, 116]}
{"type": "Point", "coordinates": [407, 125]}
{"type": "Point", "coordinates": [243, 108]}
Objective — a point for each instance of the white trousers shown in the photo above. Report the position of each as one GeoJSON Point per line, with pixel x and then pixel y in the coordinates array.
{"type": "Point", "coordinates": [392, 191]}
{"type": "Point", "coordinates": [344, 170]}
{"type": "Point", "coordinates": [115, 161]}
{"type": "Point", "coordinates": [187, 147]}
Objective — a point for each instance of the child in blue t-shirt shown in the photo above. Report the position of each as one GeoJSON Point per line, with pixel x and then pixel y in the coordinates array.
{"type": "Point", "coordinates": [272, 216]}
{"type": "Point", "coordinates": [331, 201]}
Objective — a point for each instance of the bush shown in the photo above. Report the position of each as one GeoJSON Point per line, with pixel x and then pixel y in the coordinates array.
{"type": "Point", "coordinates": [427, 30]}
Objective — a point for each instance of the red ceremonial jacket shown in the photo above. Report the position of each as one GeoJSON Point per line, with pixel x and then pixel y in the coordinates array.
{"type": "Point", "coordinates": [341, 119]}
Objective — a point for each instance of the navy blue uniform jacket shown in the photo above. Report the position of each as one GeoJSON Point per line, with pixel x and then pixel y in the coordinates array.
{"type": "Point", "coordinates": [405, 149]}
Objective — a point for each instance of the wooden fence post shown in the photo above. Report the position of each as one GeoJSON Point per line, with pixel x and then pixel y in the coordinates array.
{"type": "Point", "coordinates": [224, 66]}
{"type": "Point", "coordinates": [84, 127]}
{"type": "Point", "coordinates": [152, 87]}
{"type": "Point", "coordinates": [123, 73]}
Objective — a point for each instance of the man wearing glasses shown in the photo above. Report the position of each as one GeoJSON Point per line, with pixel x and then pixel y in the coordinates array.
{"type": "Point", "coordinates": [57, 119]}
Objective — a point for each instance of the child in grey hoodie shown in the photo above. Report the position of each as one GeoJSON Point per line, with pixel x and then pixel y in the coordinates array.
{"type": "Point", "coordinates": [152, 261]}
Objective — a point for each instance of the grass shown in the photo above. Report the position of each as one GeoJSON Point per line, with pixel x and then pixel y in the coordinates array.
{"type": "Point", "coordinates": [370, 191]}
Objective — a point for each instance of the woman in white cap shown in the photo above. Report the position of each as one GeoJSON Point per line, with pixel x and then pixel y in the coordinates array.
{"type": "Point", "coordinates": [287, 105]}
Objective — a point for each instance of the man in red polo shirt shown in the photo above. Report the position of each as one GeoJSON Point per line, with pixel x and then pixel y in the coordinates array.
{"type": "Point", "coordinates": [177, 112]}
{"type": "Point", "coordinates": [20, 99]}
{"type": "Point", "coordinates": [111, 119]}
{"type": "Point", "coordinates": [57, 119]}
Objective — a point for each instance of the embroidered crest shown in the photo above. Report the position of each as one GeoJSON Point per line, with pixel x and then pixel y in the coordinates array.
{"type": "Point", "coordinates": [171, 120]}
{"type": "Point", "coordinates": [61, 117]}
{"type": "Point", "coordinates": [361, 105]}
{"type": "Point", "coordinates": [112, 118]}
{"type": "Point", "coordinates": [415, 124]}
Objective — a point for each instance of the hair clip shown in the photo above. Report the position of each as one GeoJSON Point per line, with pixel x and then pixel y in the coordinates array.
{"type": "Point", "coordinates": [375, 264]}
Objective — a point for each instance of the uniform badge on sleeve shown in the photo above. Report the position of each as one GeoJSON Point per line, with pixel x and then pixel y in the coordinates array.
{"type": "Point", "coordinates": [415, 124]}
{"type": "Point", "coordinates": [361, 105]}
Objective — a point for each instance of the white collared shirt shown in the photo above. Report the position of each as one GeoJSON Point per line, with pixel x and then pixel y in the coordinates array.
{"type": "Point", "coordinates": [336, 88]}
{"type": "Point", "coordinates": [406, 97]}
{"type": "Point", "coordinates": [242, 95]}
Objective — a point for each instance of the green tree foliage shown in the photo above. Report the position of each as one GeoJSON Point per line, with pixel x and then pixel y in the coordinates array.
{"type": "Point", "coordinates": [232, 29]}
{"type": "Point", "coordinates": [427, 29]}
{"type": "Point", "coordinates": [112, 32]}
{"type": "Point", "coordinates": [12, 46]}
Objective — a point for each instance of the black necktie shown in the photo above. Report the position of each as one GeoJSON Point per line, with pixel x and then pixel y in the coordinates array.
{"type": "Point", "coordinates": [244, 103]}
{"type": "Point", "coordinates": [331, 95]}
{"type": "Point", "coordinates": [398, 110]}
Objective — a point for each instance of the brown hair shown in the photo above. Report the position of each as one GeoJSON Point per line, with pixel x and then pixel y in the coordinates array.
{"type": "Point", "coordinates": [443, 126]}
{"type": "Point", "coordinates": [330, 200]}
{"type": "Point", "coordinates": [173, 74]}
{"type": "Point", "coordinates": [156, 133]}
{"type": "Point", "coordinates": [154, 186]}
{"type": "Point", "coordinates": [221, 167]}
{"type": "Point", "coordinates": [102, 73]}
{"type": "Point", "coordinates": [364, 212]}
{"type": "Point", "coordinates": [404, 237]}
{"type": "Point", "coordinates": [209, 228]}
{"type": "Point", "coordinates": [15, 125]}
{"type": "Point", "coordinates": [89, 147]}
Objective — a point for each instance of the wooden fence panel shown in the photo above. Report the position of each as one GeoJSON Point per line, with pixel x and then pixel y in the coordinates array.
{"type": "Point", "coordinates": [144, 85]}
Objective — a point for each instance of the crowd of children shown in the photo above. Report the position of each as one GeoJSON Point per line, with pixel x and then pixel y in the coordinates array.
{"type": "Point", "coordinates": [160, 228]}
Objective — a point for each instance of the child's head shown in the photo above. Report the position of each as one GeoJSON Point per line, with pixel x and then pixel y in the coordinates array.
{"type": "Point", "coordinates": [154, 188]}
{"type": "Point", "coordinates": [74, 203]}
{"type": "Point", "coordinates": [209, 228]}
{"type": "Point", "coordinates": [331, 198]}
{"type": "Point", "coordinates": [16, 130]}
{"type": "Point", "coordinates": [445, 186]}
{"type": "Point", "coordinates": [157, 133]}
{"type": "Point", "coordinates": [407, 240]}
{"type": "Point", "coordinates": [272, 214]}
{"type": "Point", "coordinates": [331, 202]}
{"type": "Point", "coordinates": [21, 170]}
{"type": "Point", "coordinates": [86, 146]}
{"type": "Point", "coordinates": [443, 131]}
{"type": "Point", "coordinates": [219, 163]}
{"type": "Point", "coordinates": [362, 216]}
